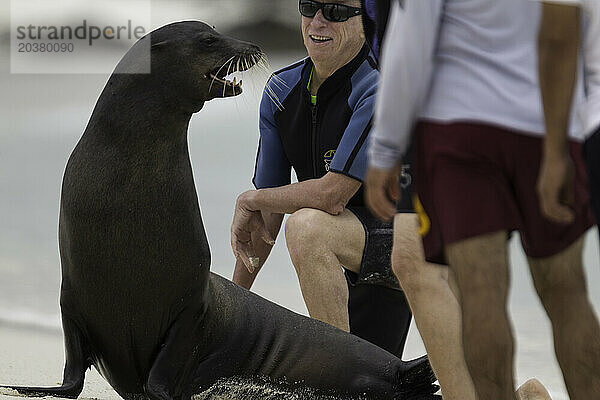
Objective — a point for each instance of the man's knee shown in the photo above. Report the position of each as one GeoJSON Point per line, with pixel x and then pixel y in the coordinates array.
{"type": "Point", "coordinates": [304, 231]}
{"type": "Point", "coordinates": [408, 261]}
{"type": "Point", "coordinates": [559, 277]}
{"type": "Point", "coordinates": [410, 269]}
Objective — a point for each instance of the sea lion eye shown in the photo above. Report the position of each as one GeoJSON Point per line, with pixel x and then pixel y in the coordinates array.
{"type": "Point", "coordinates": [206, 39]}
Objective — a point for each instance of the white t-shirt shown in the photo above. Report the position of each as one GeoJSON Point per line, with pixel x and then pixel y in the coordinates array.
{"type": "Point", "coordinates": [590, 110]}
{"type": "Point", "coordinates": [459, 60]}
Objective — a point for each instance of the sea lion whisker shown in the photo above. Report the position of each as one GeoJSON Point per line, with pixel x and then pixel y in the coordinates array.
{"type": "Point", "coordinates": [211, 83]}
{"type": "Point", "coordinates": [228, 69]}
{"type": "Point", "coordinates": [223, 66]}
{"type": "Point", "coordinates": [263, 65]}
{"type": "Point", "coordinates": [244, 64]}
{"type": "Point", "coordinates": [217, 73]}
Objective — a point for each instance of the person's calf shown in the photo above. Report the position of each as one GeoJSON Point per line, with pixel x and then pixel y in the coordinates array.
{"type": "Point", "coordinates": [488, 345]}
{"type": "Point", "coordinates": [481, 268]}
{"type": "Point", "coordinates": [561, 286]}
{"type": "Point", "coordinates": [435, 309]}
{"type": "Point", "coordinates": [417, 277]}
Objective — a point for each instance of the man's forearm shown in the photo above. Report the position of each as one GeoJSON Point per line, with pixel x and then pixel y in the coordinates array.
{"type": "Point", "coordinates": [558, 47]}
{"type": "Point", "coordinates": [330, 193]}
{"type": "Point", "coordinates": [291, 198]}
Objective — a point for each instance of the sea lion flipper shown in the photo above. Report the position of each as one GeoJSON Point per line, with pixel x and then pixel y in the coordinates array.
{"type": "Point", "coordinates": [176, 358]}
{"type": "Point", "coordinates": [77, 362]}
{"type": "Point", "coordinates": [416, 379]}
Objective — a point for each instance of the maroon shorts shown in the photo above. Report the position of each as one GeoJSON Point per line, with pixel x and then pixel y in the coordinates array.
{"type": "Point", "coordinates": [473, 179]}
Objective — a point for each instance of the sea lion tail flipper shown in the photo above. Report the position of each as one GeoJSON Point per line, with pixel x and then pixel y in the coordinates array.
{"type": "Point", "coordinates": [68, 391]}
{"type": "Point", "coordinates": [416, 380]}
{"type": "Point", "coordinates": [77, 362]}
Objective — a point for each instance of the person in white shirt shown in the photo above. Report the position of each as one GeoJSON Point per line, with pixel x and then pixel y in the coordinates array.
{"type": "Point", "coordinates": [464, 73]}
{"type": "Point", "coordinates": [560, 39]}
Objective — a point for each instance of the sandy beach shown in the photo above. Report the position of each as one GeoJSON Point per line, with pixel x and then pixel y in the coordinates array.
{"type": "Point", "coordinates": [34, 357]}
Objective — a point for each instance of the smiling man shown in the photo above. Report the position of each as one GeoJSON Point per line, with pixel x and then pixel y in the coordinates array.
{"type": "Point", "coordinates": [315, 117]}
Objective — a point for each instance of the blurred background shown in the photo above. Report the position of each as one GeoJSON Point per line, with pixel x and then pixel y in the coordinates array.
{"type": "Point", "coordinates": [42, 116]}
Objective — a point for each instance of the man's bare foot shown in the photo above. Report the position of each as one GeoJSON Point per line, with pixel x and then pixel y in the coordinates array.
{"type": "Point", "coordinates": [533, 390]}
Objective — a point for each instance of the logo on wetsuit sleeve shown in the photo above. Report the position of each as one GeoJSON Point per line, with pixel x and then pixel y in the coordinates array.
{"type": "Point", "coordinates": [327, 159]}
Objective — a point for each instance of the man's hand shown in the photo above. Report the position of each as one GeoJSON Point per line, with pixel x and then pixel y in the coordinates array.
{"type": "Point", "coordinates": [555, 188]}
{"type": "Point", "coordinates": [245, 222]}
{"type": "Point", "coordinates": [382, 191]}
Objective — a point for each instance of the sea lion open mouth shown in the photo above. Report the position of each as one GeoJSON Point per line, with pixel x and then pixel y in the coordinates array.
{"type": "Point", "coordinates": [223, 87]}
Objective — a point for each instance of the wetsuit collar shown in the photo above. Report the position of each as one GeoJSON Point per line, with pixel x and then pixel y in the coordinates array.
{"type": "Point", "coordinates": [332, 84]}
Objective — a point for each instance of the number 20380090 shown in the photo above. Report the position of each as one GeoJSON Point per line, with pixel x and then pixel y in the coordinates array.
{"type": "Point", "coordinates": [46, 47]}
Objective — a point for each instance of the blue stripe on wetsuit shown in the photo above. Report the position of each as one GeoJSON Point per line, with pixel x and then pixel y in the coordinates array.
{"type": "Point", "coordinates": [273, 169]}
{"type": "Point", "coordinates": [351, 155]}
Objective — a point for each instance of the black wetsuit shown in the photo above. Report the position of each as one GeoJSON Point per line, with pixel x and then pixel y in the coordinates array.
{"type": "Point", "coordinates": [332, 135]}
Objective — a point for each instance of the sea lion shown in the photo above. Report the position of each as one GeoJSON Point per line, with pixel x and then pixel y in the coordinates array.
{"type": "Point", "coordinates": [137, 298]}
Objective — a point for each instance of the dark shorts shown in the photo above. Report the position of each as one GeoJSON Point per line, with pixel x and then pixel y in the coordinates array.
{"type": "Point", "coordinates": [473, 179]}
{"type": "Point", "coordinates": [377, 308]}
{"type": "Point", "coordinates": [591, 154]}
{"type": "Point", "coordinates": [376, 264]}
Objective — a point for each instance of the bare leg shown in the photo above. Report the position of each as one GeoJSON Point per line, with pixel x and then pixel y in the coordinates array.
{"type": "Point", "coordinates": [319, 244]}
{"type": "Point", "coordinates": [454, 285]}
{"type": "Point", "coordinates": [533, 390]}
{"type": "Point", "coordinates": [481, 268]}
{"type": "Point", "coordinates": [434, 307]}
{"type": "Point", "coordinates": [561, 286]}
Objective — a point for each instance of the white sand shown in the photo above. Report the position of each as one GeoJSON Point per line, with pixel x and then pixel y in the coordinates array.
{"type": "Point", "coordinates": [32, 357]}
{"type": "Point", "coordinates": [36, 358]}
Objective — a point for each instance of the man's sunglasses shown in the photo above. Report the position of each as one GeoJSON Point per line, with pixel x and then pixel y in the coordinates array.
{"type": "Point", "coordinates": [333, 12]}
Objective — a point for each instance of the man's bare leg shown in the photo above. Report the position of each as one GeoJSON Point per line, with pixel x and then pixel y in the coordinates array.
{"type": "Point", "coordinates": [482, 274]}
{"type": "Point", "coordinates": [561, 286]}
{"type": "Point", "coordinates": [435, 309]}
{"type": "Point", "coordinates": [319, 244]}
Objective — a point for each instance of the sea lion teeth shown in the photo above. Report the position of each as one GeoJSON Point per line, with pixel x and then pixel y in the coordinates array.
{"type": "Point", "coordinates": [225, 81]}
